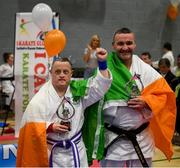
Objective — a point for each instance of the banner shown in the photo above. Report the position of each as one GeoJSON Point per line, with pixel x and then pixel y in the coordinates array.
{"type": "Point", "coordinates": [31, 62]}
{"type": "Point", "coordinates": [8, 155]}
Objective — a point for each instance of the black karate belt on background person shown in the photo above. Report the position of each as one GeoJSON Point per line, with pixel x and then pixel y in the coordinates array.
{"type": "Point", "coordinates": [6, 78]}
{"type": "Point", "coordinates": [131, 135]}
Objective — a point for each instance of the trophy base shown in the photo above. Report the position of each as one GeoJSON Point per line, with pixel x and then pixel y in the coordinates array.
{"type": "Point", "coordinates": [67, 123]}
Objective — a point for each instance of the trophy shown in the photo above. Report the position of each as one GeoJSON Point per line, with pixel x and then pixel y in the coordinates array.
{"type": "Point", "coordinates": [132, 88]}
{"type": "Point", "coordinates": [65, 112]}
{"type": "Point", "coordinates": [66, 118]}
{"type": "Point", "coordinates": [134, 91]}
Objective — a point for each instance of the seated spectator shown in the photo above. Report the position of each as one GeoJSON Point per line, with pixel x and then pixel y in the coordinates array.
{"type": "Point", "coordinates": [146, 57]}
{"type": "Point", "coordinates": [164, 69]}
{"type": "Point", "coordinates": [176, 69]}
{"type": "Point", "coordinates": [167, 50]}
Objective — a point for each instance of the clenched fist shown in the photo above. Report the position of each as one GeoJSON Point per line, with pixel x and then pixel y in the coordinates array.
{"type": "Point", "coordinates": [101, 54]}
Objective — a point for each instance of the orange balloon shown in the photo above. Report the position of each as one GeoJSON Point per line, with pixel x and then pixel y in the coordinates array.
{"type": "Point", "coordinates": [172, 12]}
{"type": "Point", "coordinates": [54, 42]}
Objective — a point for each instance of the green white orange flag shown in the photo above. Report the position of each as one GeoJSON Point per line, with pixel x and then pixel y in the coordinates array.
{"type": "Point", "coordinates": [32, 145]}
{"type": "Point", "coordinates": [157, 94]}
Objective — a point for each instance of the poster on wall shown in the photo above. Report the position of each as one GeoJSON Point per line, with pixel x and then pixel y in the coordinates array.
{"type": "Point", "coordinates": [8, 154]}
{"type": "Point", "coordinates": [31, 68]}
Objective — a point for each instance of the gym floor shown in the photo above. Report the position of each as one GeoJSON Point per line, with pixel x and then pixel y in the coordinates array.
{"type": "Point", "coordinates": [159, 159]}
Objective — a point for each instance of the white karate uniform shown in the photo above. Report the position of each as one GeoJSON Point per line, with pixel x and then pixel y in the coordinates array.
{"type": "Point", "coordinates": [96, 89]}
{"type": "Point", "coordinates": [170, 57]}
{"type": "Point", "coordinates": [7, 86]}
{"type": "Point", "coordinates": [120, 115]}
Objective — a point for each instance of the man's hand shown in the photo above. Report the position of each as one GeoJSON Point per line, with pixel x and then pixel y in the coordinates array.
{"type": "Point", "coordinates": [137, 103]}
{"type": "Point", "coordinates": [101, 54]}
{"type": "Point", "coordinates": [59, 128]}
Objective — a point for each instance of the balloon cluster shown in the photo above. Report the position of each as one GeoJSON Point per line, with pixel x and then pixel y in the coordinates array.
{"type": "Point", "coordinates": [55, 40]}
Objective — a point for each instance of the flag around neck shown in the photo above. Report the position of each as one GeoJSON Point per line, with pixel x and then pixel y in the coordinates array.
{"type": "Point", "coordinates": [121, 76]}
{"type": "Point", "coordinates": [93, 128]}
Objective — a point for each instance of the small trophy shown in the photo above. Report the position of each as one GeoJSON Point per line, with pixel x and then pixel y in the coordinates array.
{"type": "Point", "coordinates": [134, 91]}
{"type": "Point", "coordinates": [65, 112]}
{"type": "Point", "coordinates": [66, 118]}
{"type": "Point", "coordinates": [132, 88]}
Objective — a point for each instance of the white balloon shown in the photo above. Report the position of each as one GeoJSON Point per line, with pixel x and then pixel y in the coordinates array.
{"type": "Point", "coordinates": [42, 16]}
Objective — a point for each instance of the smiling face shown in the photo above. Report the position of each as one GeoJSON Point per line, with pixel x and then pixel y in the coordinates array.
{"type": "Point", "coordinates": [124, 45]}
{"type": "Point", "coordinates": [61, 73]}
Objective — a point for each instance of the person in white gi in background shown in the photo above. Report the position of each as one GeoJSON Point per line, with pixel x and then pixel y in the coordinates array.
{"type": "Point", "coordinates": [167, 53]}
{"type": "Point", "coordinates": [44, 112]}
{"type": "Point", "coordinates": [167, 49]}
{"type": "Point", "coordinates": [6, 71]}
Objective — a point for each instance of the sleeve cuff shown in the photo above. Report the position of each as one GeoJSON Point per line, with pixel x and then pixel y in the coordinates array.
{"type": "Point", "coordinates": [101, 77]}
{"type": "Point", "coordinates": [50, 128]}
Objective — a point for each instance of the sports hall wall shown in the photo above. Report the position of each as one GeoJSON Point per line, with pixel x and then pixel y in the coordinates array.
{"type": "Point", "coordinates": [82, 18]}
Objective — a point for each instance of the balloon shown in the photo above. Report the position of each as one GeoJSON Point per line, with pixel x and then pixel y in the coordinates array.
{"type": "Point", "coordinates": [42, 16]}
{"type": "Point", "coordinates": [172, 12]}
{"type": "Point", "coordinates": [54, 42]}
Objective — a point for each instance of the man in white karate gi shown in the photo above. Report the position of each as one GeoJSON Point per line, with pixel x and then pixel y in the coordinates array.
{"type": "Point", "coordinates": [50, 133]}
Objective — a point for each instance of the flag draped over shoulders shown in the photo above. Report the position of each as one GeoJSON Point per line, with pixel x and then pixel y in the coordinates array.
{"type": "Point", "coordinates": [93, 128]}
{"type": "Point", "coordinates": [32, 149]}
{"type": "Point", "coordinates": [161, 100]}
{"type": "Point", "coordinates": [32, 145]}
{"type": "Point", "coordinates": [156, 93]}
{"type": "Point", "coordinates": [121, 76]}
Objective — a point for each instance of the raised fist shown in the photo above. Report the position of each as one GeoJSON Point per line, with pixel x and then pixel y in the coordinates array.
{"type": "Point", "coordinates": [101, 54]}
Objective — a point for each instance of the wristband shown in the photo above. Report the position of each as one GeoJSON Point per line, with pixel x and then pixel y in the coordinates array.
{"type": "Point", "coordinates": [102, 65]}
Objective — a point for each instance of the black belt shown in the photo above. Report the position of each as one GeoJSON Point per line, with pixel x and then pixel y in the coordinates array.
{"type": "Point", "coordinates": [131, 135]}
